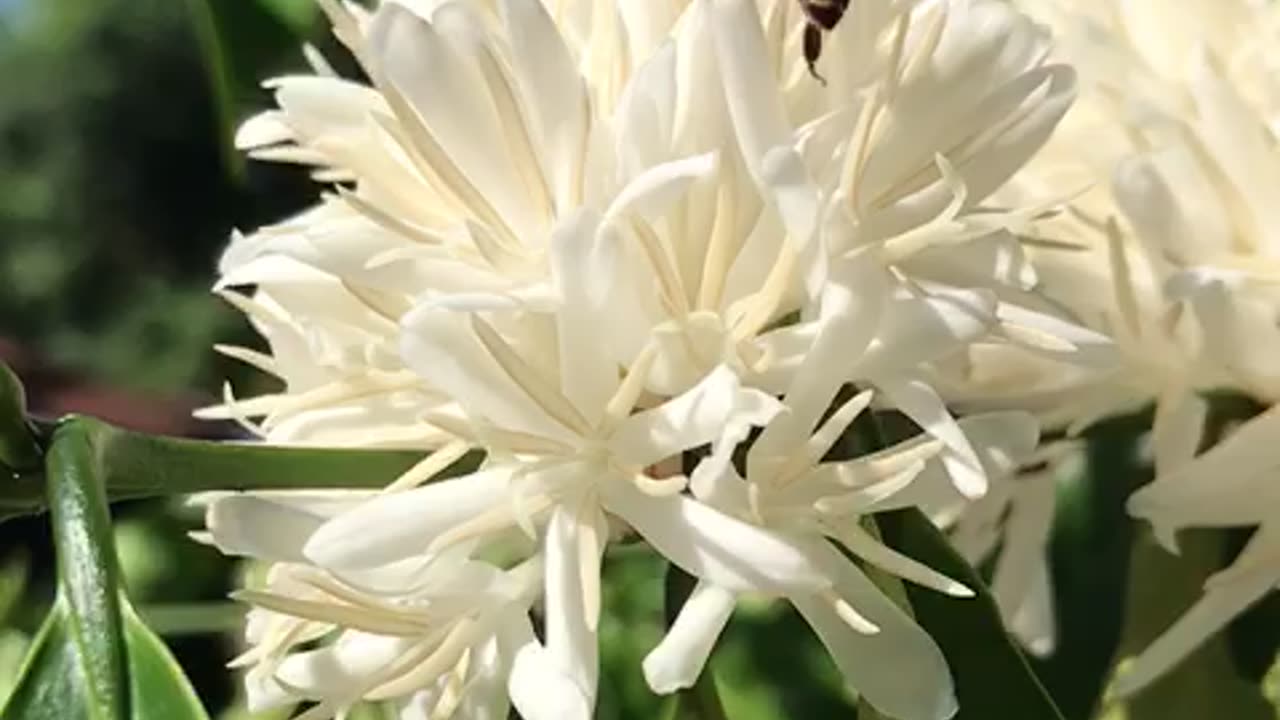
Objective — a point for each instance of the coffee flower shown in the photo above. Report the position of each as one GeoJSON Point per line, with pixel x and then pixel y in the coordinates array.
{"type": "Point", "coordinates": [584, 240]}
{"type": "Point", "coordinates": [432, 638]}
{"type": "Point", "coordinates": [1170, 253]}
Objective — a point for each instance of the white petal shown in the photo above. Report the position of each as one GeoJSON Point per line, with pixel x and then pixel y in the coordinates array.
{"type": "Point", "coordinates": [920, 403]}
{"type": "Point", "coordinates": [399, 525]}
{"type": "Point", "coordinates": [1221, 603]}
{"type": "Point", "coordinates": [341, 671]}
{"type": "Point", "coordinates": [899, 670]}
{"type": "Point", "coordinates": [432, 65]}
{"type": "Point", "coordinates": [920, 330]}
{"type": "Point", "coordinates": [696, 417]}
{"type": "Point", "coordinates": [552, 88]}
{"type": "Point", "coordinates": [654, 190]}
{"type": "Point", "coordinates": [1080, 345]}
{"type": "Point", "coordinates": [540, 691]}
{"type": "Point", "coordinates": [587, 376]}
{"type": "Point", "coordinates": [441, 346]}
{"type": "Point", "coordinates": [850, 314]}
{"type": "Point", "coordinates": [267, 528]}
{"type": "Point", "coordinates": [751, 86]}
{"type": "Point", "coordinates": [571, 646]}
{"type": "Point", "coordinates": [713, 546]}
{"type": "Point", "coordinates": [1178, 429]}
{"type": "Point", "coordinates": [717, 483]}
{"type": "Point", "coordinates": [678, 660]}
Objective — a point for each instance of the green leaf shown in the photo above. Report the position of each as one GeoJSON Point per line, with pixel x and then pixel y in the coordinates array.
{"type": "Point", "coordinates": [19, 450]}
{"type": "Point", "coordinates": [242, 41]}
{"type": "Point", "coordinates": [158, 690]}
{"type": "Point", "coordinates": [93, 658]}
{"type": "Point", "coordinates": [52, 684]}
{"type": "Point", "coordinates": [134, 465]}
{"type": "Point", "coordinates": [993, 679]}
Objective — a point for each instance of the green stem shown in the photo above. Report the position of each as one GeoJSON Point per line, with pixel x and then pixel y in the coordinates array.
{"type": "Point", "coordinates": [134, 465]}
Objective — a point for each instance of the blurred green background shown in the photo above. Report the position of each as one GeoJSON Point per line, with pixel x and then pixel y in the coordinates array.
{"type": "Point", "coordinates": [118, 189]}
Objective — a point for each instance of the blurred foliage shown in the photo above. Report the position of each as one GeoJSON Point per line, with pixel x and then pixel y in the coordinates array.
{"type": "Point", "coordinates": [113, 208]}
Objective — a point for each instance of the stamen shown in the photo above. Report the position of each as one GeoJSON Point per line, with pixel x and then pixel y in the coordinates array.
{"type": "Point", "coordinates": [862, 544]}
{"type": "Point", "coordinates": [429, 466]}
{"type": "Point", "coordinates": [252, 358]}
{"type": "Point", "coordinates": [768, 299]}
{"type": "Point", "coordinates": [870, 494]}
{"type": "Point", "coordinates": [831, 430]}
{"type": "Point", "coordinates": [628, 393]}
{"type": "Point", "coordinates": [366, 618]}
{"type": "Point", "coordinates": [433, 666]}
{"type": "Point", "coordinates": [590, 547]}
{"type": "Point", "coordinates": [538, 389]}
{"type": "Point", "coordinates": [660, 487]}
{"type": "Point", "coordinates": [851, 617]}
{"type": "Point", "coordinates": [1122, 282]}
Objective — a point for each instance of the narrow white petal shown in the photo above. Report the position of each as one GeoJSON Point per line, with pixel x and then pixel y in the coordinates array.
{"type": "Point", "coordinates": [899, 670]}
{"type": "Point", "coordinates": [654, 190]}
{"type": "Point", "coordinates": [713, 546]}
{"type": "Point", "coordinates": [442, 347]}
{"type": "Point", "coordinates": [693, 418]}
{"type": "Point", "coordinates": [571, 645]}
{"type": "Point", "coordinates": [261, 528]}
{"type": "Point", "coordinates": [588, 377]}
{"type": "Point", "coordinates": [751, 86]}
{"type": "Point", "coordinates": [1222, 602]}
{"type": "Point", "coordinates": [540, 691]}
{"type": "Point", "coordinates": [678, 660]}
{"type": "Point", "coordinates": [920, 403]}
{"type": "Point", "coordinates": [400, 525]}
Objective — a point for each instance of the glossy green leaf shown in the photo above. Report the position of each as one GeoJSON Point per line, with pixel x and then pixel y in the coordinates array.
{"type": "Point", "coordinates": [93, 658]}
{"type": "Point", "coordinates": [240, 39]}
{"type": "Point", "coordinates": [134, 465]}
{"type": "Point", "coordinates": [19, 451]}
{"type": "Point", "coordinates": [158, 689]}
{"type": "Point", "coordinates": [993, 679]}
{"type": "Point", "coordinates": [52, 684]}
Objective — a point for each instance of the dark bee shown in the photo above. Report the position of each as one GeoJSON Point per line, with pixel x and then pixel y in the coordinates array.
{"type": "Point", "coordinates": [821, 16]}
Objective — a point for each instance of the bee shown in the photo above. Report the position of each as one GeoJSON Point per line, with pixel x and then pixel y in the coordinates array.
{"type": "Point", "coordinates": [821, 16]}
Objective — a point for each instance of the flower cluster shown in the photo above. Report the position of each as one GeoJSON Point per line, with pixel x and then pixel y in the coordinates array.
{"type": "Point", "coordinates": [592, 242]}
{"type": "Point", "coordinates": [1168, 157]}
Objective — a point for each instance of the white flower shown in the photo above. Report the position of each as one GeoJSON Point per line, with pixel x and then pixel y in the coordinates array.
{"type": "Point", "coordinates": [1230, 485]}
{"type": "Point", "coordinates": [1013, 522]}
{"type": "Point", "coordinates": [1176, 124]}
{"type": "Point", "coordinates": [567, 457]}
{"type": "Point", "coordinates": [433, 638]}
{"type": "Point", "coordinates": [585, 238]}
{"type": "Point", "coordinates": [791, 491]}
